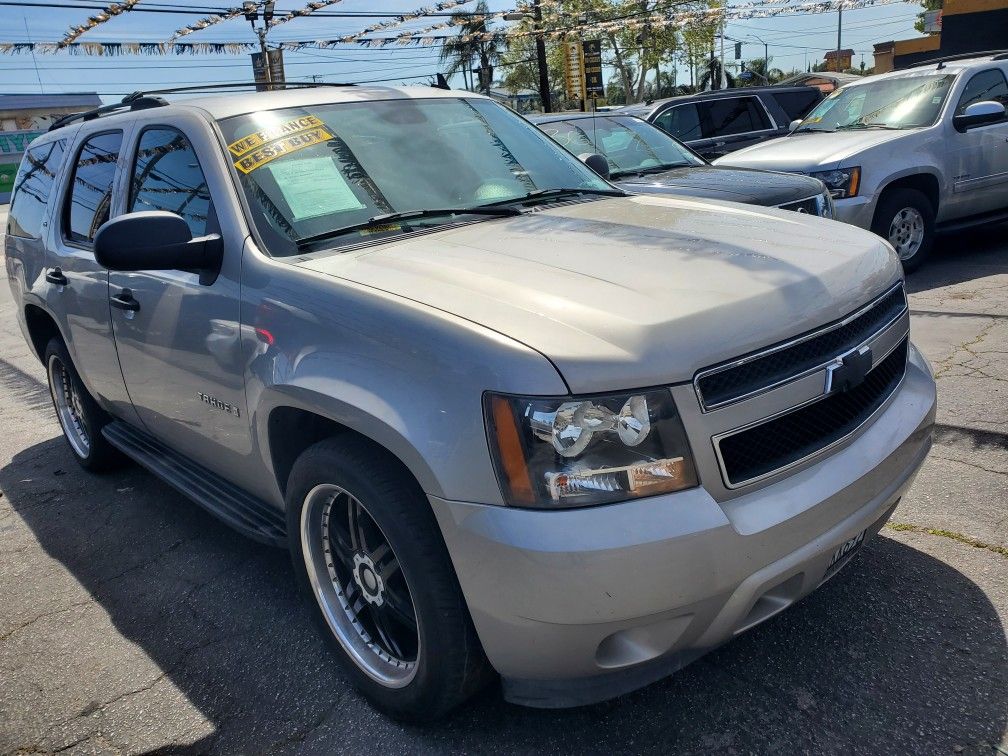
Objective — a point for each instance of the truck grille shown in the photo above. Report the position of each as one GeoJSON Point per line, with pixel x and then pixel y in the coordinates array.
{"type": "Point", "coordinates": [787, 439]}
{"type": "Point", "coordinates": [761, 371]}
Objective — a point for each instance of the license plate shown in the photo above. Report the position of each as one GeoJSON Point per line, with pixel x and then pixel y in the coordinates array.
{"type": "Point", "coordinates": [847, 548]}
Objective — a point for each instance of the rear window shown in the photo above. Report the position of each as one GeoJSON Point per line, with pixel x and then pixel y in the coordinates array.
{"type": "Point", "coordinates": [798, 104]}
{"type": "Point", "coordinates": [89, 201]}
{"type": "Point", "coordinates": [32, 187]}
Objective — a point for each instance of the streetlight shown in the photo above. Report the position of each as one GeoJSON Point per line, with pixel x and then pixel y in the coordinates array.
{"type": "Point", "coordinates": [252, 15]}
{"type": "Point", "coordinates": [540, 44]}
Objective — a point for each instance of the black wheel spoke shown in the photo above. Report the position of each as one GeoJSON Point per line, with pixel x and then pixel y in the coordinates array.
{"type": "Point", "coordinates": [400, 609]}
{"type": "Point", "coordinates": [387, 638]}
{"type": "Point", "coordinates": [385, 562]}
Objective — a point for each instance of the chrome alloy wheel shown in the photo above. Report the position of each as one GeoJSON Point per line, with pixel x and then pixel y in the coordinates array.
{"type": "Point", "coordinates": [69, 407]}
{"type": "Point", "coordinates": [360, 588]}
{"type": "Point", "coordinates": [906, 232]}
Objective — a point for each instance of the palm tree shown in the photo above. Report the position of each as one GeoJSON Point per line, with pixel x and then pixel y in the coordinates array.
{"type": "Point", "coordinates": [711, 76]}
{"type": "Point", "coordinates": [761, 73]}
{"type": "Point", "coordinates": [460, 53]}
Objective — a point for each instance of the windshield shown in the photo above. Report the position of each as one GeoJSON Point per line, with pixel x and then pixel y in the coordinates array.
{"type": "Point", "coordinates": [900, 103]}
{"type": "Point", "coordinates": [312, 170]}
{"type": "Point", "coordinates": [629, 144]}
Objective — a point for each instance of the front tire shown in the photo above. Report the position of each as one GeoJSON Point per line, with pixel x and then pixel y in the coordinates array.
{"type": "Point", "coordinates": [366, 548]}
{"type": "Point", "coordinates": [79, 415]}
{"type": "Point", "coordinates": [906, 218]}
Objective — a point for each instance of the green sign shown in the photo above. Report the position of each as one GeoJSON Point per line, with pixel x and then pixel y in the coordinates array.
{"type": "Point", "coordinates": [15, 142]}
{"type": "Point", "coordinates": [7, 173]}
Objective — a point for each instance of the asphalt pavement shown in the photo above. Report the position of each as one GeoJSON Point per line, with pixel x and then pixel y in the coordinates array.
{"type": "Point", "coordinates": [132, 621]}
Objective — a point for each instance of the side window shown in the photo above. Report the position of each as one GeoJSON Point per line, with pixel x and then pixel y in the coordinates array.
{"type": "Point", "coordinates": [167, 176]}
{"type": "Point", "coordinates": [32, 187]}
{"type": "Point", "coordinates": [986, 85]}
{"type": "Point", "coordinates": [733, 115]}
{"type": "Point", "coordinates": [89, 201]}
{"type": "Point", "coordinates": [682, 121]}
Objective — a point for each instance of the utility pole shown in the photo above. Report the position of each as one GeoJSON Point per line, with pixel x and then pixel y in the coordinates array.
{"type": "Point", "coordinates": [839, 30]}
{"type": "Point", "coordinates": [252, 15]}
{"type": "Point", "coordinates": [540, 44]}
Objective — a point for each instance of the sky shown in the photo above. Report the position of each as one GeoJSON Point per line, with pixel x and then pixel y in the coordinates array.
{"type": "Point", "coordinates": [794, 41]}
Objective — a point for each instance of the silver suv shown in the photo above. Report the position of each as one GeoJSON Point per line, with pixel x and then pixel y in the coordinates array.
{"type": "Point", "coordinates": [906, 153]}
{"type": "Point", "coordinates": [504, 416]}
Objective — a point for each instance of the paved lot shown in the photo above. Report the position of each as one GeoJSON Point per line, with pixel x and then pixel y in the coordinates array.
{"type": "Point", "coordinates": [132, 621]}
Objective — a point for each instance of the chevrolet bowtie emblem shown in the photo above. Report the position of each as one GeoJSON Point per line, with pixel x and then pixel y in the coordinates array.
{"type": "Point", "coordinates": [848, 371]}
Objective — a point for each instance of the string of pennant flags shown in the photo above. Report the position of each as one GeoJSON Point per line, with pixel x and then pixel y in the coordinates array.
{"type": "Point", "coordinates": [431, 35]}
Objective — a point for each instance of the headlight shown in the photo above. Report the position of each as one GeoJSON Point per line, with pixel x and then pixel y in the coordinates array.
{"type": "Point", "coordinates": [824, 204]}
{"type": "Point", "coordinates": [577, 451]}
{"type": "Point", "coordinates": [842, 182]}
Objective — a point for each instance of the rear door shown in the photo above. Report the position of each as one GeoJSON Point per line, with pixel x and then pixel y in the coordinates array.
{"type": "Point", "coordinates": [76, 285]}
{"type": "Point", "coordinates": [683, 122]}
{"type": "Point", "coordinates": [177, 332]}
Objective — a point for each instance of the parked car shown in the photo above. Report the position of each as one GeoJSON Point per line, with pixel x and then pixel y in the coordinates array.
{"type": "Point", "coordinates": [907, 153]}
{"type": "Point", "coordinates": [505, 417]}
{"type": "Point", "coordinates": [643, 159]}
{"type": "Point", "coordinates": [716, 123]}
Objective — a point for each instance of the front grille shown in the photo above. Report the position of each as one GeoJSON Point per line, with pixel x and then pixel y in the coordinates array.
{"type": "Point", "coordinates": [786, 439]}
{"type": "Point", "coordinates": [810, 206]}
{"type": "Point", "coordinates": [760, 371]}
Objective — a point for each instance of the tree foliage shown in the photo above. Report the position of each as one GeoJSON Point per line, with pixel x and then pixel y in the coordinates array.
{"type": "Point", "coordinates": [462, 54]}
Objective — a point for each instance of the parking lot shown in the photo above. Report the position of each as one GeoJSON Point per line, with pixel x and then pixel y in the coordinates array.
{"type": "Point", "coordinates": [135, 622]}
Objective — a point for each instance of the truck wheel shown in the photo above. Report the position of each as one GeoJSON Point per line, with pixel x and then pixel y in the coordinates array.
{"type": "Point", "coordinates": [906, 218]}
{"type": "Point", "coordinates": [79, 415]}
{"type": "Point", "coordinates": [367, 549]}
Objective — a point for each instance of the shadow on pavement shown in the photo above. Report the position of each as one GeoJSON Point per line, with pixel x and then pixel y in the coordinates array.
{"type": "Point", "coordinates": [900, 652]}
{"type": "Point", "coordinates": [962, 256]}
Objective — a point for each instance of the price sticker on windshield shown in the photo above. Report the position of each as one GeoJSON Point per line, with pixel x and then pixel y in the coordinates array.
{"type": "Point", "coordinates": [280, 147]}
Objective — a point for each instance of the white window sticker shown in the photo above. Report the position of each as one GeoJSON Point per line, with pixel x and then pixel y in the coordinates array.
{"type": "Point", "coordinates": [313, 187]}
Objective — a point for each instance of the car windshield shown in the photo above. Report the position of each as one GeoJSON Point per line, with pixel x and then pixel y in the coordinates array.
{"type": "Point", "coordinates": [629, 144]}
{"type": "Point", "coordinates": [309, 172]}
{"type": "Point", "coordinates": [899, 103]}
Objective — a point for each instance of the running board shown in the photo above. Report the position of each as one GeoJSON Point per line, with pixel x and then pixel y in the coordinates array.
{"type": "Point", "coordinates": [241, 510]}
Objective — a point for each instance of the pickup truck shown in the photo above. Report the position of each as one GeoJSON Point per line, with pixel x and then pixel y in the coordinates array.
{"type": "Point", "coordinates": [509, 421]}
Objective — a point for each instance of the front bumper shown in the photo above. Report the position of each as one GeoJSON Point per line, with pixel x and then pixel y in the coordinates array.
{"type": "Point", "coordinates": [577, 606]}
{"type": "Point", "coordinates": [857, 211]}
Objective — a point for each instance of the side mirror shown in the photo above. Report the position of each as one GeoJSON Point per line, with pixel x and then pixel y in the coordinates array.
{"type": "Point", "coordinates": [979, 114]}
{"type": "Point", "coordinates": [155, 240]}
{"type": "Point", "coordinates": [596, 162]}
{"type": "Point", "coordinates": [793, 125]}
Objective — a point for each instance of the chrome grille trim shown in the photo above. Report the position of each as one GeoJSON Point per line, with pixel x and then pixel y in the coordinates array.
{"type": "Point", "coordinates": [707, 372]}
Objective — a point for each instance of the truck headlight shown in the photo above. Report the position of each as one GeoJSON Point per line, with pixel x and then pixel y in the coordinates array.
{"type": "Point", "coordinates": [578, 451]}
{"type": "Point", "coordinates": [841, 182]}
{"type": "Point", "coordinates": [824, 205]}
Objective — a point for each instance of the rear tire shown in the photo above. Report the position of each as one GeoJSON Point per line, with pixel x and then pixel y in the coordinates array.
{"type": "Point", "coordinates": [906, 219]}
{"type": "Point", "coordinates": [368, 553]}
{"type": "Point", "coordinates": [79, 415]}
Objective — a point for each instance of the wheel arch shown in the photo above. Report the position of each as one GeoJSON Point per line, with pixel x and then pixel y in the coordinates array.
{"type": "Point", "coordinates": [41, 327]}
{"type": "Point", "coordinates": [291, 420]}
{"type": "Point", "coordinates": [927, 183]}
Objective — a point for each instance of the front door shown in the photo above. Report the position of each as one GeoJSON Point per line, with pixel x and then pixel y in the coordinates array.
{"type": "Point", "coordinates": [980, 156]}
{"type": "Point", "coordinates": [177, 332]}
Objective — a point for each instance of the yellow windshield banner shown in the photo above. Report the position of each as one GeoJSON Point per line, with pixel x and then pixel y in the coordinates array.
{"type": "Point", "coordinates": [280, 147]}
{"type": "Point", "coordinates": [256, 139]}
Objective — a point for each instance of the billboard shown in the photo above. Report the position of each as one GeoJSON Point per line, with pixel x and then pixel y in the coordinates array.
{"type": "Point", "coordinates": [592, 66]}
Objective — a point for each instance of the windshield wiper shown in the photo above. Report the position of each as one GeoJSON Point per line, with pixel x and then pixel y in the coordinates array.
{"type": "Point", "coordinates": [647, 171]}
{"type": "Point", "coordinates": [868, 126]}
{"type": "Point", "coordinates": [384, 218]}
{"type": "Point", "coordinates": [808, 129]}
{"type": "Point", "coordinates": [555, 194]}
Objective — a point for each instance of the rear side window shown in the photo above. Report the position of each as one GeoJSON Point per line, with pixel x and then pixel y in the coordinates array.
{"type": "Point", "coordinates": [32, 187]}
{"type": "Point", "coordinates": [798, 104]}
{"type": "Point", "coordinates": [732, 115]}
{"type": "Point", "coordinates": [986, 85]}
{"type": "Point", "coordinates": [167, 176]}
{"type": "Point", "coordinates": [89, 201]}
{"type": "Point", "coordinates": [682, 121]}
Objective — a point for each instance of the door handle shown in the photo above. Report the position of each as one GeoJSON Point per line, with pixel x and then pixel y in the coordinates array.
{"type": "Point", "coordinates": [125, 301]}
{"type": "Point", "coordinates": [55, 276]}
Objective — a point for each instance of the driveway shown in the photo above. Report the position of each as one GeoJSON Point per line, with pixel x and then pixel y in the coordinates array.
{"type": "Point", "coordinates": [134, 622]}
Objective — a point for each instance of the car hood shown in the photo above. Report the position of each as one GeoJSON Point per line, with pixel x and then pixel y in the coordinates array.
{"type": "Point", "coordinates": [722, 182]}
{"type": "Point", "coordinates": [636, 291]}
{"type": "Point", "coordinates": [808, 151]}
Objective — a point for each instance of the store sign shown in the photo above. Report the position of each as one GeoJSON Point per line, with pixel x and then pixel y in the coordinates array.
{"type": "Point", "coordinates": [573, 69]}
{"type": "Point", "coordinates": [592, 63]}
{"type": "Point", "coordinates": [15, 142]}
{"type": "Point", "coordinates": [276, 69]}
{"type": "Point", "coordinates": [932, 21]}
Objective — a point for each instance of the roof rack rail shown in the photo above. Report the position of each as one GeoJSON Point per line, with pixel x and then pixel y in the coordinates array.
{"type": "Point", "coordinates": [141, 100]}
{"type": "Point", "coordinates": [135, 101]}
{"type": "Point", "coordinates": [993, 54]}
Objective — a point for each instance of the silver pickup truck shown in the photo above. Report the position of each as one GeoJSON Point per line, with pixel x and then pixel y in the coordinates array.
{"type": "Point", "coordinates": [908, 153]}
{"type": "Point", "coordinates": [505, 417]}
